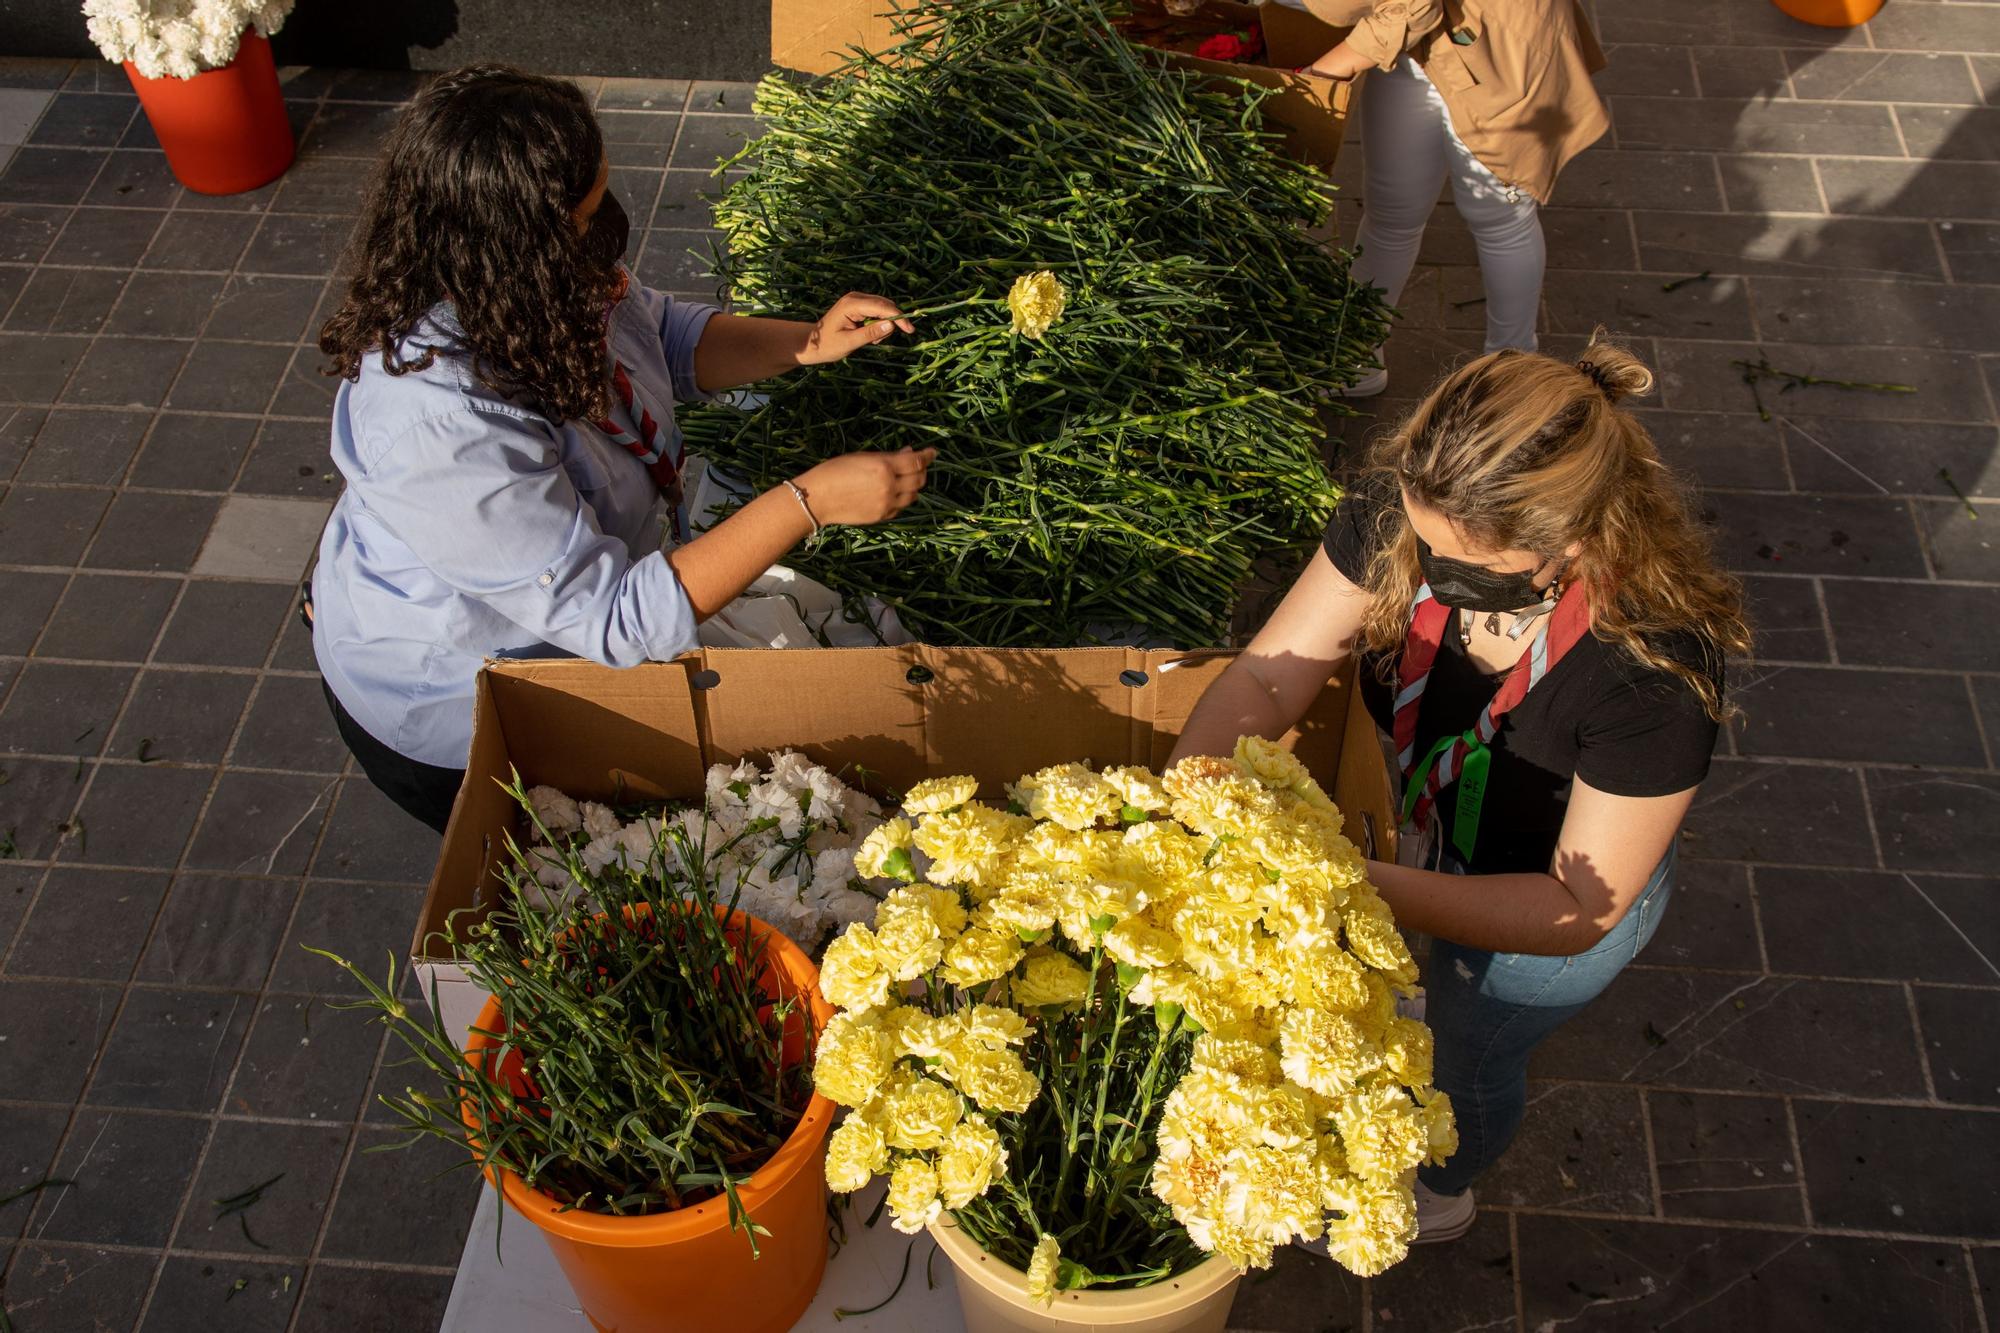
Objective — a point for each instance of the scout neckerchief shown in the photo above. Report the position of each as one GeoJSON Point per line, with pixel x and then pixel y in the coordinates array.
{"type": "Point", "coordinates": [643, 437]}
{"type": "Point", "coordinates": [1465, 757]}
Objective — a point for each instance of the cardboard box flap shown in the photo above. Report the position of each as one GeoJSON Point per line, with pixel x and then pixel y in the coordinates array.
{"type": "Point", "coordinates": [841, 707]}
{"type": "Point", "coordinates": [901, 714]}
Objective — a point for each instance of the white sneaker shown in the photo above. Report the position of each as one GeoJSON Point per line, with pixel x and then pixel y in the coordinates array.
{"type": "Point", "coordinates": [1442, 1217]}
{"type": "Point", "coordinates": [1368, 386]}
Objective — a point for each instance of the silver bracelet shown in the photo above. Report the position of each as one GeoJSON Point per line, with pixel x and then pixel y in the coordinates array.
{"type": "Point", "coordinates": [812, 518]}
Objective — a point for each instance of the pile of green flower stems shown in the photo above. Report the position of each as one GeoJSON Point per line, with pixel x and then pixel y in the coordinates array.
{"type": "Point", "coordinates": [1124, 472]}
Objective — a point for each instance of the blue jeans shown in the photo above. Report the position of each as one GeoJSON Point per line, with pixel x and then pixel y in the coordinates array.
{"type": "Point", "coordinates": [1488, 1012]}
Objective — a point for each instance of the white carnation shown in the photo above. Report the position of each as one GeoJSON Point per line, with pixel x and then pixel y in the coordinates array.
{"type": "Point", "coordinates": [555, 811]}
{"type": "Point", "coordinates": [832, 869]}
{"type": "Point", "coordinates": [598, 820]}
{"type": "Point", "coordinates": [827, 801]}
{"type": "Point", "coordinates": [791, 770]}
{"type": "Point", "coordinates": [178, 39]}
{"type": "Point", "coordinates": [601, 852]}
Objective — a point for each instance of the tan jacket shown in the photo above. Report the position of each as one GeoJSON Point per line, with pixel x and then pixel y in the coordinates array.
{"type": "Point", "coordinates": [1515, 74]}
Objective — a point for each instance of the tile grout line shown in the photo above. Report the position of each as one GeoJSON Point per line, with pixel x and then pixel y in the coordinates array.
{"type": "Point", "coordinates": [1826, 621]}
{"type": "Point", "coordinates": [1917, 1035]}
{"type": "Point", "coordinates": [1757, 919]}
{"type": "Point", "coordinates": [1799, 1162]}
{"type": "Point", "coordinates": [1979, 723]}
{"type": "Point", "coordinates": [1868, 815]}
{"type": "Point", "coordinates": [237, 1256]}
{"type": "Point", "coordinates": [1652, 1152]}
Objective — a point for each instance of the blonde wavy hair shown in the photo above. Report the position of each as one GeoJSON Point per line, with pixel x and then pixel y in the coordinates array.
{"type": "Point", "coordinates": [1524, 452]}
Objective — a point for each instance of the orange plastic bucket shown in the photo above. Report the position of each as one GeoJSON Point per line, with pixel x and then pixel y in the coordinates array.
{"type": "Point", "coordinates": [688, 1271]}
{"type": "Point", "coordinates": [1831, 13]}
{"type": "Point", "coordinates": [224, 130]}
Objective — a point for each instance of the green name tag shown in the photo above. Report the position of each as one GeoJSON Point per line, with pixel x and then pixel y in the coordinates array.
{"type": "Point", "coordinates": [1462, 37]}
{"type": "Point", "coordinates": [1471, 795]}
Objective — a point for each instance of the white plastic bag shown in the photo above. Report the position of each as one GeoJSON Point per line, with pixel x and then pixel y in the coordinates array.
{"type": "Point", "coordinates": [783, 608]}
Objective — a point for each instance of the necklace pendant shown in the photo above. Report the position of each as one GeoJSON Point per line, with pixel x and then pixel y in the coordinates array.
{"type": "Point", "coordinates": [1492, 622]}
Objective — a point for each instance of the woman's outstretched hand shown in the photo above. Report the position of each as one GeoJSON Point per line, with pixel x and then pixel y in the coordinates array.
{"type": "Point", "coordinates": [863, 488]}
{"type": "Point", "coordinates": [857, 320]}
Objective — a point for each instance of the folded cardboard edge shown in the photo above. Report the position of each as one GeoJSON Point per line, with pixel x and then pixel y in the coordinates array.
{"type": "Point", "coordinates": [671, 719]}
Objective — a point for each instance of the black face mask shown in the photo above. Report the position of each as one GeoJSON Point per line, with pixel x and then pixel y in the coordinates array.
{"type": "Point", "coordinates": [604, 239]}
{"type": "Point", "coordinates": [1466, 587]}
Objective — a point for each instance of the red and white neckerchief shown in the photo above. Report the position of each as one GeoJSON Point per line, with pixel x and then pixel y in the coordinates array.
{"type": "Point", "coordinates": [1465, 757]}
{"type": "Point", "coordinates": [655, 443]}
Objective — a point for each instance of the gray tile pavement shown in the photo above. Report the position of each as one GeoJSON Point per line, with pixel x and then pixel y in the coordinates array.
{"type": "Point", "coordinates": [1775, 1120]}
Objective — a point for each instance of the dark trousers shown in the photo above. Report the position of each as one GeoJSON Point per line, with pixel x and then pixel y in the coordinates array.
{"type": "Point", "coordinates": [426, 791]}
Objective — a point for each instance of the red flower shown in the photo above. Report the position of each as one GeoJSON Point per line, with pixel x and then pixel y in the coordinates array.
{"type": "Point", "coordinates": [1222, 46]}
{"type": "Point", "coordinates": [1232, 45]}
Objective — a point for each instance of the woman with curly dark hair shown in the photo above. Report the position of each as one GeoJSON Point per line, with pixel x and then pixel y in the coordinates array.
{"type": "Point", "coordinates": [506, 431]}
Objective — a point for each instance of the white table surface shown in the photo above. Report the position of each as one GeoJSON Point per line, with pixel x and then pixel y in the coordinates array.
{"type": "Point", "coordinates": [519, 1288]}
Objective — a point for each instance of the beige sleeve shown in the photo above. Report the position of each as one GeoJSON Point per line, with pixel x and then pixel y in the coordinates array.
{"type": "Point", "coordinates": [1383, 30]}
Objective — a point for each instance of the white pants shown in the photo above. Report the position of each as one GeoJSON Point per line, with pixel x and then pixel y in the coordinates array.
{"type": "Point", "coordinates": [1410, 151]}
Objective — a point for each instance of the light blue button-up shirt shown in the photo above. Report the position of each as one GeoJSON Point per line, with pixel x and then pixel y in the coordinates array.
{"type": "Point", "coordinates": [473, 526]}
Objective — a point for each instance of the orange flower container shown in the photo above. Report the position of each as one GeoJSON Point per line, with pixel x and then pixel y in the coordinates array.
{"type": "Point", "coordinates": [1831, 13]}
{"type": "Point", "coordinates": [688, 1271]}
{"type": "Point", "coordinates": [224, 130]}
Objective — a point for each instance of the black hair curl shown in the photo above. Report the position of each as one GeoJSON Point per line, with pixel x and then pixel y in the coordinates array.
{"type": "Point", "coordinates": [473, 203]}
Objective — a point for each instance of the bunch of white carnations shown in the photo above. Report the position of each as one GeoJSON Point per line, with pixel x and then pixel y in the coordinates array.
{"type": "Point", "coordinates": [779, 841]}
{"type": "Point", "coordinates": [178, 39]}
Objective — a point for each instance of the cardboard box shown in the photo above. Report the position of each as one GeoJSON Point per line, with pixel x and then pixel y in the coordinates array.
{"type": "Point", "coordinates": [905, 713]}
{"type": "Point", "coordinates": [816, 37]}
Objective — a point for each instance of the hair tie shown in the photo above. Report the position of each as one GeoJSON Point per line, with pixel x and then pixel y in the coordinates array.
{"type": "Point", "coordinates": [1597, 376]}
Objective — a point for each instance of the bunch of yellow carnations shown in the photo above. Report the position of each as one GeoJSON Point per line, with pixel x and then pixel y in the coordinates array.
{"type": "Point", "coordinates": [1161, 1009]}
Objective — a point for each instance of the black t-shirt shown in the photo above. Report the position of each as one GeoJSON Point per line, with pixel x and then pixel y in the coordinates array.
{"type": "Point", "coordinates": [1599, 714]}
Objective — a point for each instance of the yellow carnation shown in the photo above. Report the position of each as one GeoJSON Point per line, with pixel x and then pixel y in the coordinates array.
{"type": "Point", "coordinates": [919, 1113]}
{"type": "Point", "coordinates": [1036, 302]}
{"type": "Point", "coordinates": [972, 1157]}
{"type": "Point", "coordinates": [967, 845]}
{"type": "Point", "coordinates": [1326, 976]}
{"type": "Point", "coordinates": [1440, 1125]}
{"type": "Point", "coordinates": [874, 858]}
{"type": "Point", "coordinates": [1278, 1198]}
{"type": "Point", "coordinates": [936, 795]}
{"type": "Point", "coordinates": [980, 956]}
{"type": "Point", "coordinates": [913, 1196]}
{"type": "Point", "coordinates": [1381, 1134]}
{"type": "Point", "coordinates": [916, 1033]}
{"type": "Point", "coordinates": [1087, 905]}
{"type": "Point", "coordinates": [1072, 796]}
{"type": "Point", "coordinates": [852, 974]}
{"type": "Point", "coordinates": [1374, 1226]}
{"type": "Point", "coordinates": [1214, 797]}
{"type": "Point", "coordinates": [854, 1058]}
{"type": "Point", "coordinates": [1376, 942]}
{"type": "Point", "coordinates": [991, 1025]}
{"type": "Point", "coordinates": [1326, 1052]}
{"type": "Point", "coordinates": [1042, 1270]}
{"type": "Point", "coordinates": [854, 1154]}
{"type": "Point", "coordinates": [1163, 848]}
{"type": "Point", "coordinates": [1286, 1116]}
{"type": "Point", "coordinates": [1245, 1060]}
{"type": "Point", "coordinates": [1139, 788]}
{"type": "Point", "coordinates": [1139, 943]}
{"type": "Point", "coordinates": [1408, 1046]}
{"type": "Point", "coordinates": [996, 1079]}
{"type": "Point", "coordinates": [1027, 905]}
{"type": "Point", "coordinates": [1047, 977]}
{"type": "Point", "coordinates": [1277, 767]}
